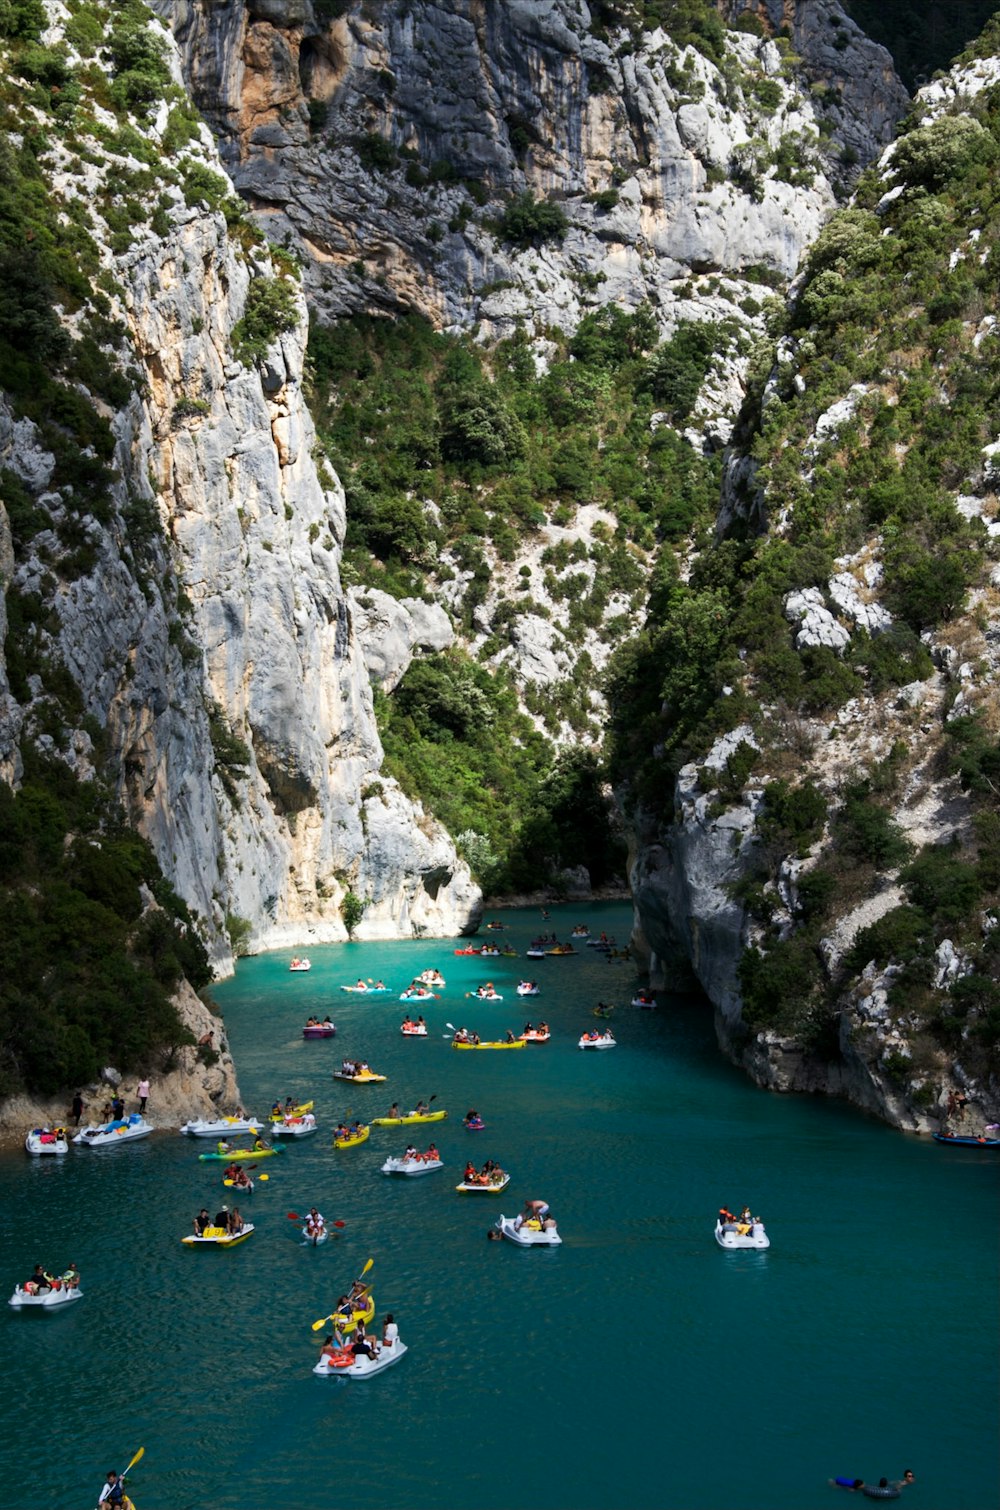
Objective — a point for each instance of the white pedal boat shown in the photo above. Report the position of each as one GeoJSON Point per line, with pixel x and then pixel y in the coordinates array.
{"type": "Point", "coordinates": [411, 1166]}
{"type": "Point", "coordinates": [300, 964]}
{"type": "Point", "coordinates": [535, 1037]}
{"type": "Point", "coordinates": [414, 1030]}
{"type": "Point", "coordinates": [46, 1140]}
{"type": "Point", "coordinates": [730, 1237]}
{"type": "Point", "coordinates": [295, 1127]}
{"type": "Point", "coordinates": [218, 1237]}
{"type": "Point", "coordinates": [110, 1134]}
{"type": "Point", "coordinates": [527, 988]}
{"type": "Point", "coordinates": [48, 1299]}
{"type": "Point", "coordinates": [491, 1187]}
{"type": "Point", "coordinates": [596, 1041]}
{"type": "Point", "coordinates": [431, 978]}
{"type": "Point", "coordinates": [314, 1239]}
{"type": "Point", "coordinates": [646, 1002]}
{"type": "Point", "coordinates": [529, 1234]}
{"type": "Point", "coordinates": [361, 1367]}
{"type": "Point", "coordinates": [221, 1127]}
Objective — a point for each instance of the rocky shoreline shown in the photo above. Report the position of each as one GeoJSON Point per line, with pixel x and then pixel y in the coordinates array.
{"type": "Point", "coordinates": [187, 1082]}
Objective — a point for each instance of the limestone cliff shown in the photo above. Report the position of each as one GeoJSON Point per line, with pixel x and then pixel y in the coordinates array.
{"type": "Point", "coordinates": [826, 873]}
{"type": "Point", "coordinates": [204, 626]}
{"type": "Point", "coordinates": [384, 142]}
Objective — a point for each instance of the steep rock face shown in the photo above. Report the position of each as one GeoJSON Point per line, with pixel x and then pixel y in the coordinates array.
{"type": "Point", "coordinates": [312, 119]}
{"type": "Point", "coordinates": [221, 655]}
{"type": "Point", "coordinates": [691, 877]}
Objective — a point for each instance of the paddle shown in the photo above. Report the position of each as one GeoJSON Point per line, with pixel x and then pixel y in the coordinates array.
{"type": "Point", "coordinates": [453, 1029]}
{"type": "Point", "coordinates": [293, 1216]}
{"type": "Point", "coordinates": [134, 1461]}
{"type": "Point", "coordinates": [324, 1319]}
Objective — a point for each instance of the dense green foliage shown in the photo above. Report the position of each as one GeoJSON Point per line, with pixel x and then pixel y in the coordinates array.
{"type": "Point", "coordinates": [455, 738]}
{"type": "Point", "coordinates": [471, 447]}
{"type": "Point", "coordinates": [86, 973]}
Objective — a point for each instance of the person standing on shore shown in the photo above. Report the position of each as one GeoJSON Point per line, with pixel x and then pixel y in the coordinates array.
{"type": "Point", "coordinates": [77, 1109]}
{"type": "Point", "coordinates": [142, 1091]}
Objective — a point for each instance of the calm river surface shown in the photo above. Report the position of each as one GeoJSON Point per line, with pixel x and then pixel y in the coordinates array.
{"type": "Point", "coordinates": [635, 1366]}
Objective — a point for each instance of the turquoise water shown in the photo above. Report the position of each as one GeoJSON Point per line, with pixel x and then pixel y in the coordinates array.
{"type": "Point", "coordinates": [637, 1365]}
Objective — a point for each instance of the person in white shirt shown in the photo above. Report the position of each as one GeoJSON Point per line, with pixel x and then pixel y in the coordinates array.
{"type": "Point", "coordinates": [390, 1332]}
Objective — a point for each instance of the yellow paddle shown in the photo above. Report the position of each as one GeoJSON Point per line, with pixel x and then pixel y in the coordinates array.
{"type": "Point", "coordinates": [324, 1319]}
{"type": "Point", "coordinates": [134, 1461]}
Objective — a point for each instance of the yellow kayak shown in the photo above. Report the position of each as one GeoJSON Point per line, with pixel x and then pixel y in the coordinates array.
{"type": "Point", "coordinates": [351, 1142]}
{"type": "Point", "coordinates": [242, 1154]}
{"type": "Point", "coordinates": [410, 1117]}
{"type": "Point", "coordinates": [367, 1315]}
{"type": "Point", "coordinates": [517, 1044]}
{"type": "Point", "coordinates": [296, 1111]}
{"type": "Point", "coordinates": [365, 1077]}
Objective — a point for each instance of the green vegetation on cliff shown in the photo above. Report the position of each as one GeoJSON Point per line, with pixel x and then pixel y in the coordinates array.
{"type": "Point", "coordinates": [88, 968]}
{"type": "Point", "coordinates": [444, 450]}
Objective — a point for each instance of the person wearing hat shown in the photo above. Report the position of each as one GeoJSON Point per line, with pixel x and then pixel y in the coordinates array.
{"type": "Point", "coordinates": [222, 1218]}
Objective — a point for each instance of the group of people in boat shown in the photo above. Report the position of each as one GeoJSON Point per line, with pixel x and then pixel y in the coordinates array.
{"type": "Point", "coordinates": [411, 1026]}
{"type": "Point", "coordinates": [334, 1346]}
{"type": "Point", "coordinates": [490, 1174]}
{"type": "Point", "coordinates": [41, 1280]}
{"type": "Point", "coordinates": [487, 992]}
{"type": "Point", "coordinates": [430, 978]}
{"type": "Point", "coordinates": [531, 1031]}
{"type": "Point", "coordinates": [238, 1176]}
{"type": "Point", "coordinates": [742, 1224]}
{"type": "Point", "coordinates": [229, 1221]}
{"type": "Point", "coordinates": [425, 1158]}
{"type": "Point", "coordinates": [353, 1067]}
{"type": "Point", "coordinates": [473, 1119]}
{"type": "Point", "coordinates": [464, 1036]}
{"type": "Point", "coordinates": [420, 1110]}
{"type": "Point", "coordinates": [342, 1132]}
{"type": "Point", "coordinates": [259, 1145]}
{"type": "Point", "coordinates": [315, 1224]}
{"type": "Point", "coordinates": [319, 1022]}
{"type": "Point", "coordinates": [419, 990]}
{"type": "Point", "coordinates": [369, 985]}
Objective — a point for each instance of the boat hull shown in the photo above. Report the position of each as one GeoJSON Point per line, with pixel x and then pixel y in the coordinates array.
{"type": "Point", "coordinates": [527, 1235]}
{"type": "Point", "coordinates": [215, 1237]}
{"type": "Point", "coordinates": [367, 1078]}
{"type": "Point", "coordinates": [517, 1044]}
{"type": "Point", "coordinates": [754, 1240]}
{"type": "Point", "coordinates": [604, 1042]}
{"type": "Point", "coordinates": [111, 1136]}
{"type": "Point", "coordinates": [241, 1154]}
{"type": "Point", "coordinates": [411, 1167]}
{"type": "Point", "coordinates": [221, 1127]}
{"type": "Point", "coordinates": [362, 1367]}
{"type": "Point", "coordinates": [43, 1142]}
{"type": "Point", "coordinates": [48, 1300]}
{"type": "Point", "coordinates": [406, 1121]}
{"type": "Point", "coordinates": [492, 1188]}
